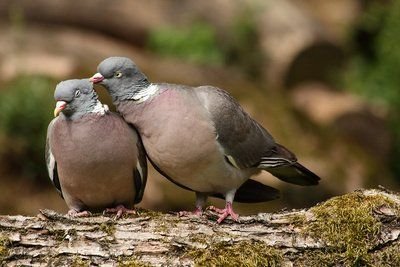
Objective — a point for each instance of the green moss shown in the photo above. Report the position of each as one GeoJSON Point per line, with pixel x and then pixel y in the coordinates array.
{"type": "Point", "coordinates": [107, 227]}
{"type": "Point", "coordinates": [297, 219]}
{"type": "Point", "coordinates": [164, 226]}
{"type": "Point", "coordinates": [241, 45]}
{"type": "Point", "coordinates": [58, 234]}
{"type": "Point", "coordinates": [132, 262]}
{"type": "Point", "coordinates": [242, 253]}
{"type": "Point", "coordinates": [150, 213]}
{"type": "Point", "coordinates": [387, 257]}
{"type": "Point", "coordinates": [199, 238]}
{"type": "Point", "coordinates": [195, 42]}
{"type": "Point", "coordinates": [26, 106]}
{"type": "Point", "coordinates": [80, 262]}
{"type": "Point", "coordinates": [346, 223]}
{"type": "Point", "coordinates": [319, 258]}
{"type": "Point", "coordinates": [372, 69]}
{"type": "Point", "coordinates": [4, 245]}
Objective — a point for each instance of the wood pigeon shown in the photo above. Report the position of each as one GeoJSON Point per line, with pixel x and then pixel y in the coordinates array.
{"type": "Point", "coordinates": [94, 158]}
{"type": "Point", "coordinates": [199, 137]}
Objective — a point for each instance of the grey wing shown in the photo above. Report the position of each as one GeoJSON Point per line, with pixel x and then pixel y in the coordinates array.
{"type": "Point", "coordinates": [246, 143]}
{"type": "Point", "coordinates": [140, 172]}
{"type": "Point", "coordinates": [50, 160]}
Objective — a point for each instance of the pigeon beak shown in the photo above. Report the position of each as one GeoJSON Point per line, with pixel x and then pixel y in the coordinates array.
{"type": "Point", "coordinates": [97, 78]}
{"type": "Point", "coordinates": [60, 105]}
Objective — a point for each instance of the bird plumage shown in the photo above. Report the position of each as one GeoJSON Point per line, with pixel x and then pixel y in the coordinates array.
{"type": "Point", "coordinates": [199, 137]}
{"type": "Point", "coordinates": [95, 160]}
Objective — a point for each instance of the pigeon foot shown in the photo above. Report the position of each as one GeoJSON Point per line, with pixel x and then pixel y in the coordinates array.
{"type": "Point", "coordinates": [119, 210]}
{"type": "Point", "coordinates": [197, 212]}
{"type": "Point", "coordinates": [75, 214]}
{"type": "Point", "coordinates": [228, 211]}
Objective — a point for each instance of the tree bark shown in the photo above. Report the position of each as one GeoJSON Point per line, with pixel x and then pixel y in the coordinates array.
{"type": "Point", "coordinates": [156, 239]}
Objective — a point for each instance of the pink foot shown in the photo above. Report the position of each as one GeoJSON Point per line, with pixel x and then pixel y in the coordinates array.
{"type": "Point", "coordinates": [225, 212]}
{"type": "Point", "coordinates": [120, 210]}
{"type": "Point", "coordinates": [197, 212]}
{"type": "Point", "coordinates": [73, 213]}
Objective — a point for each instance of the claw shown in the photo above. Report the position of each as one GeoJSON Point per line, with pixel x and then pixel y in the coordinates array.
{"type": "Point", "coordinates": [228, 211]}
{"type": "Point", "coordinates": [75, 214]}
{"type": "Point", "coordinates": [119, 210]}
{"type": "Point", "coordinates": [197, 212]}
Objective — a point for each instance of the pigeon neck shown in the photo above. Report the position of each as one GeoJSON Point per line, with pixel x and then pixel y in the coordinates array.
{"type": "Point", "coordinates": [145, 93]}
{"type": "Point", "coordinates": [137, 93]}
{"type": "Point", "coordinates": [128, 92]}
{"type": "Point", "coordinates": [76, 115]}
{"type": "Point", "coordinates": [88, 107]}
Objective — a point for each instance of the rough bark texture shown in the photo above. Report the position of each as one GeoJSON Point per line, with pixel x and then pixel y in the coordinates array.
{"type": "Point", "coordinates": [288, 238]}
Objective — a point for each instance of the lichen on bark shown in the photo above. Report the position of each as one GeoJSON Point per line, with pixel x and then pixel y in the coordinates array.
{"type": "Point", "coordinates": [360, 228]}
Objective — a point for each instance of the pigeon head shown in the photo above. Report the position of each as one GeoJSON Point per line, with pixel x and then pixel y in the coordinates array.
{"type": "Point", "coordinates": [75, 98]}
{"type": "Point", "coordinates": [121, 77]}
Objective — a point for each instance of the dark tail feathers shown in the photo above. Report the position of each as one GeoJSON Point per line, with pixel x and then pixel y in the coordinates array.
{"type": "Point", "coordinates": [287, 169]}
{"type": "Point", "coordinates": [295, 174]}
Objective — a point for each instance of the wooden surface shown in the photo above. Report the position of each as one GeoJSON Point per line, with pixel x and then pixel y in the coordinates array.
{"type": "Point", "coordinates": [156, 239]}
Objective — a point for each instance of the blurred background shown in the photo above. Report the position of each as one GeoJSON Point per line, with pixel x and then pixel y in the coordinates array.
{"type": "Point", "coordinates": [321, 76]}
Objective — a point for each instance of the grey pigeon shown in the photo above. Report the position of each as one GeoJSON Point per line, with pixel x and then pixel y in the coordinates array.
{"type": "Point", "coordinates": [198, 137]}
{"type": "Point", "coordinates": [94, 158]}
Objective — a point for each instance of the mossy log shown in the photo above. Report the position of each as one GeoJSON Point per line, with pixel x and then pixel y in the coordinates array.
{"type": "Point", "coordinates": [357, 229]}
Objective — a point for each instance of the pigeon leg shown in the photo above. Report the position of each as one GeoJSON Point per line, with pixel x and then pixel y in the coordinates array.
{"type": "Point", "coordinates": [75, 213]}
{"type": "Point", "coordinates": [228, 208]}
{"type": "Point", "coordinates": [226, 212]}
{"type": "Point", "coordinates": [201, 199]}
{"type": "Point", "coordinates": [119, 210]}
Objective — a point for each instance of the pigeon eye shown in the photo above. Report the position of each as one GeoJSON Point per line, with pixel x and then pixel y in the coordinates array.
{"type": "Point", "coordinates": [77, 93]}
{"type": "Point", "coordinates": [118, 74]}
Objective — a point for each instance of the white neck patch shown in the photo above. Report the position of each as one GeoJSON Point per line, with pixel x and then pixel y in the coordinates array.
{"type": "Point", "coordinates": [144, 94]}
{"type": "Point", "coordinates": [100, 108]}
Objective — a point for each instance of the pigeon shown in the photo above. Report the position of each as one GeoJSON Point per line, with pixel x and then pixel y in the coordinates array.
{"type": "Point", "coordinates": [199, 137]}
{"type": "Point", "coordinates": [94, 158]}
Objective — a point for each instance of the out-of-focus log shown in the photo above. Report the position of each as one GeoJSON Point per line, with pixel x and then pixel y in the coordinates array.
{"type": "Point", "coordinates": [362, 123]}
{"type": "Point", "coordinates": [124, 19]}
{"type": "Point", "coordinates": [337, 16]}
{"type": "Point", "coordinates": [296, 46]}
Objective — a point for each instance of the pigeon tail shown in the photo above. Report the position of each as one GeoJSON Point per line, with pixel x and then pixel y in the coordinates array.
{"type": "Point", "coordinates": [283, 165]}
{"type": "Point", "coordinates": [295, 174]}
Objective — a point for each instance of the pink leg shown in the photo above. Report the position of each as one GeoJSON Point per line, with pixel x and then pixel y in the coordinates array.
{"type": "Point", "coordinates": [120, 210]}
{"type": "Point", "coordinates": [75, 214]}
{"type": "Point", "coordinates": [201, 199]}
{"type": "Point", "coordinates": [198, 212]}
{"type": "Point", "coordinates": [225, 212]}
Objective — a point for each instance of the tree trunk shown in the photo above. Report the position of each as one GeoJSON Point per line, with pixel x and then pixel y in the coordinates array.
{"type": "Point", "coordinates": [296, 47]}
{"type": "Point", "coordinates": [287, 238]}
